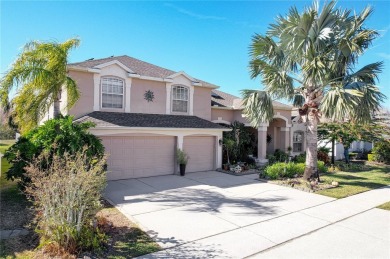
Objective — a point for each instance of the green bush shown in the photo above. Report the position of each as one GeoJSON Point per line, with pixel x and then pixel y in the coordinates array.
{"type": "Point", "coordinates": [66, 197]}
{"type": "Point", "coordinates": [281, 170]}
{"type": "Point", "coordinates": [271, 159]}
{"type": "Point", "coordinates": [321, 167]}
{"type": "Point", "coordinates": [289, 170]}
{"type": "Point", "coordinates": [301, 158]}
{"type": "Point", "coordinates": [371, 157]}
{"type": "Point", "coordinates": [280, 155]}
{"type": "Point", "coordinates": [56, 136]}
{"type": "Point", "coordinates": [381, 151]}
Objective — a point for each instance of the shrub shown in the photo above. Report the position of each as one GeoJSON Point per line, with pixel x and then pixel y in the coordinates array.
{"type": "Point", "coordinates": [280, 155]}
{"type": "Point", "coordinates": [301, 158]}
{"type": "Point", "coordinates": [371, 157]}
{"type": "Point", "coordinates": [66, 197]}
{"type": "Point", "coordinates": [323, 156]}
{"type": "Point", "coordinates": [289, 170]}
{"type": "Point", "coordinates": [271, 159]}
{"type": "Point", "coordinates": [324, 149]}
{"type": "Point", "coordinates": [6, 132]}
{"type": "Point", "coordinates": [281, 169]}
{"type": "Point", "coordinates": [56, 136]}
{"type": "Point", "coordinates": [321, 167]}
{"type": "Point", "coordinates": [381, 151]}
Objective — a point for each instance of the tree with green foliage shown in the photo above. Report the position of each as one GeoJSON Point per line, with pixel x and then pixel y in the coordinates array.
{"type": "Point", "coordinates": [55, 136]}
{"type": "Point", "coordinates": [310, 58]}
{"type": "Point", "coordinates": [39, 75]}
{"type": "Point", "coordinates": [346, 133]}
{"type": "Point", "coordinates": [237, 142]}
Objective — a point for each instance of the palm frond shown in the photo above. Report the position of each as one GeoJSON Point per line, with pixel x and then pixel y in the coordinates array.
{"type": "Point", "coordinates": [257, 106]}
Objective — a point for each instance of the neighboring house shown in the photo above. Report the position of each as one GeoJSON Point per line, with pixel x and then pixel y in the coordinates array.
{"type": "Point", "coordinates": [143, 113]}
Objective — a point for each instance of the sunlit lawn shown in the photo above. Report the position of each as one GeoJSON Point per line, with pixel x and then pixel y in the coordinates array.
{"type": "Point", "coordinates": [385, 206]}
{"type": "Point", "coordinates": [350, 183]}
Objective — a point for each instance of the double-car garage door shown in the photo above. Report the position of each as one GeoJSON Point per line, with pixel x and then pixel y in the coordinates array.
{"type": "Point", "coordinates": [144, 156]}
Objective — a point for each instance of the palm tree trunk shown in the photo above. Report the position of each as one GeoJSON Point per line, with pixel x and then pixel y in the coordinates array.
{"type": "Point", "coordinates": [56, 106]}
{"type": "Point", "coordinates": [311, 147]}
{"type": "Point", "coordinates": [56, 110]}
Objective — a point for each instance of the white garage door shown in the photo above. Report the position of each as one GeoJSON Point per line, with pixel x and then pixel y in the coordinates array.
{"type": "Point", "coordinates": [132, 157]}
{"type": "Point", "coordinates": [201, 153]}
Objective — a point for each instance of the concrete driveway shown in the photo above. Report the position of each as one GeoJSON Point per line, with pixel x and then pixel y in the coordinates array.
{"type": "Point", "coordinates": [211, 214]}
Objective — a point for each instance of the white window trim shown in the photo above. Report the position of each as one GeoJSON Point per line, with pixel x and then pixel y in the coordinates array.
{"type": "Point", "coordinates": [101, 93]}
{"type": "Point", "coordinates": [301, 142]}
{"type": "Point", "coordinates": [188, 100]}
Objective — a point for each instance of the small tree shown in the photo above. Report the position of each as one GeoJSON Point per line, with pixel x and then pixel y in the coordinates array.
{"type": "Point", "coordinates": [347, 132]}
{"type": "Point", "coordinates": [56, 136]}
{"type": "Point", "coordinates": [240, 137]}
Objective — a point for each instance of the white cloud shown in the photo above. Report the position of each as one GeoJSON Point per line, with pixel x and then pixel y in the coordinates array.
{"type": "Point", "coordinates": [195, 15]}
{"type": "Point", "coordinates": [384, 55]}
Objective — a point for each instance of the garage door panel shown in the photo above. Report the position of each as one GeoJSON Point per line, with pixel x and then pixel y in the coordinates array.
{"type": "Point", "coordinates": [131, 157]}
{"type": "Point", "coordinates": [201, 153]}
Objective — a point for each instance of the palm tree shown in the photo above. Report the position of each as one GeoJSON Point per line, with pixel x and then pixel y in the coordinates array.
{"type": "Point", "coordinates": [39, 75]}
{"type": "Point", "coordinates": [309, 59]}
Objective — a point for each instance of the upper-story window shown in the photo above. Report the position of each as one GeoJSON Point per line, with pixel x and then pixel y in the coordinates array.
{"type": "Point", "coordinates": [180, 99]}
{"type": "Point", "coordinates": [298, 141]}
{"type": "Point", "coordinates": [112, 92]}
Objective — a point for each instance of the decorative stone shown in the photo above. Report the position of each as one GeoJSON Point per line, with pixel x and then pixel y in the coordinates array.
{"type": "Point", "coordinates": [335, 184]}
{"type": "Point", "coordinates": [238, 169]}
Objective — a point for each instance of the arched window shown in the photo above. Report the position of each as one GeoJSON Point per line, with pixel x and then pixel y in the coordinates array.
{"type": "Point", "coordinates": [298, 141]}
{"type": "Point", "coordinates": [112, 92]}
{"type": "Point", "coordinates": [180, 99]}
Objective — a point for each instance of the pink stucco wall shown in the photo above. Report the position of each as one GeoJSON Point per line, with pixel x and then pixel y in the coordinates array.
{"type": "Point", "coordinates": [137, 102]}
{"type": "Point", "coordinates": [84, 82]}
{"type": "Point", "coordinates": [227, 115]}
{"type": "Point", "coordinates": [202, 102]}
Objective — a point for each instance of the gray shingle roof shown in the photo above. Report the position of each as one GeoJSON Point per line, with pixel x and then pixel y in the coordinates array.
{"type": "Point", "coordinates": [141, 120]}
{"type": "Point", "coordinates": [222, 99]}
{"type": "Point", "coordinates": [138, 66]}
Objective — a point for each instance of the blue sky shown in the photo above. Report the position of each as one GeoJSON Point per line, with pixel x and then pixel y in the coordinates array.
{"type": "Point", "coordinates": [206, 39]}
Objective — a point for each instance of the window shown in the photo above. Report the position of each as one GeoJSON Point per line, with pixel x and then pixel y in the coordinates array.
{"type": "Point", "coordinates": [179, 99]}
{"type": "Point", "coordinates": [298, 141]}
{"type": "Point", "coordinates": [112, 92]}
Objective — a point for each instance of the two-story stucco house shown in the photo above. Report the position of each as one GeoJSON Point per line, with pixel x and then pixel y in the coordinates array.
{"type": "Point", "coordinates": [144, 112]}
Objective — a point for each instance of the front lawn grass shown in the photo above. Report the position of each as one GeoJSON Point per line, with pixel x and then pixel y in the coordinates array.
{"type": "Point", "coordinates": [350, 183]}
{"type": "Point", "coordinates": [385, 206]}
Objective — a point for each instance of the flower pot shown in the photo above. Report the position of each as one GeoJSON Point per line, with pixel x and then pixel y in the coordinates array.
{"type": "Point", "coordinates": [182, 170]}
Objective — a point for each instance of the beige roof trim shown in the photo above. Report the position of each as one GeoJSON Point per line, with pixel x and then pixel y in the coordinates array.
{"type": "Point", "coordinates": [157, 129]}
{"type": "Point", "coordinates": [84, 69]}
{"type": "Point", "coordinates": [115, 62]}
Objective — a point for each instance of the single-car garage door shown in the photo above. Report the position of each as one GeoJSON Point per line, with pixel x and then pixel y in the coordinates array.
{"type": "Point", "coordinates": [132, 157]}
{"type": "Point", "coordinates": [201, 153]}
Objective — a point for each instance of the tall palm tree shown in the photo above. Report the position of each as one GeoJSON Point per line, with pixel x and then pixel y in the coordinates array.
{"type": "Point", "coordinates": [309, 58]}
{"type": "Point", "coordinates": [38, 76]}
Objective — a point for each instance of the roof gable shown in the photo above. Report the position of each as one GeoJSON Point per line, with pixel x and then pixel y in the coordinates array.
{"type": "Point", "coordinates": [137, 67]}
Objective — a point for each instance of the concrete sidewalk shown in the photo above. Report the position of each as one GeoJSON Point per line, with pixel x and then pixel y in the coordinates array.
{"type": "Point", "coordinates": [345, 228]}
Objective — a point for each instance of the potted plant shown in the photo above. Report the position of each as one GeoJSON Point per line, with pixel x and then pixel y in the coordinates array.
{"type": "Point", "coordinates": [182, 159]}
